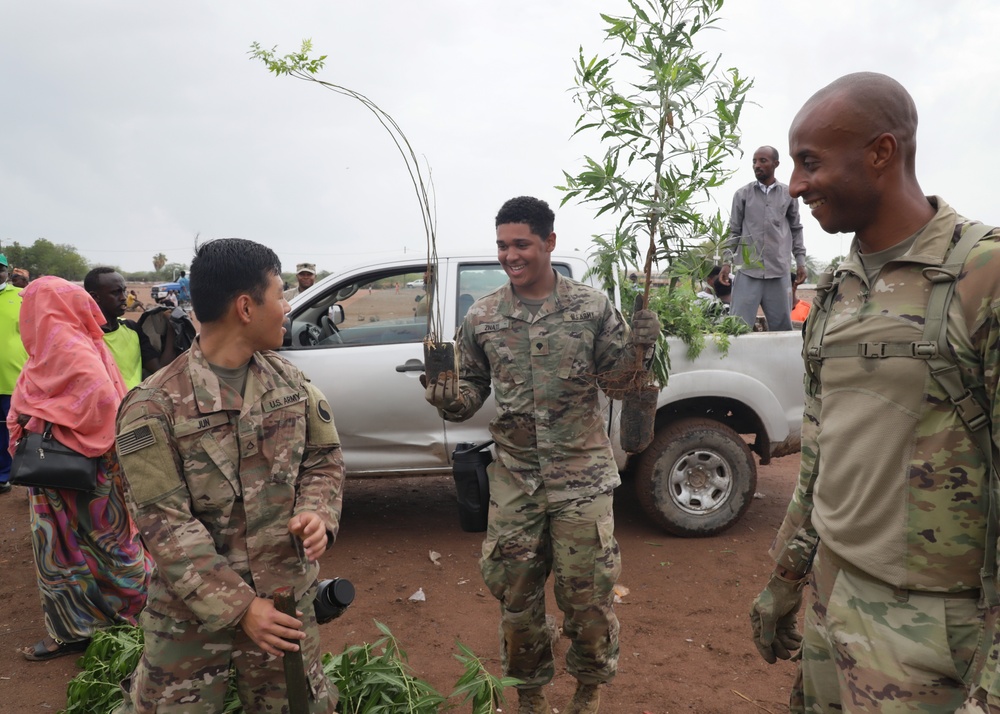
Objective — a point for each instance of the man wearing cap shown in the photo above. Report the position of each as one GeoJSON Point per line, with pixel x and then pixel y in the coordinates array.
{"type": "Point", "coordinates": [306, 274]}
{"type": "Point", "coordinates": [12, 359]}
{"type": "Point", "coordinates": [19, 278]}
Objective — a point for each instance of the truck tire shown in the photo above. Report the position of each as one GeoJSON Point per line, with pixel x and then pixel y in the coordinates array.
{"type": "Point", "coordinates": [697, 478]}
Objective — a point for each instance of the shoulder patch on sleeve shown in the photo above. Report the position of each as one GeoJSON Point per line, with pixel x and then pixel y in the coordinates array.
{"type": "Point", "coordinates": [148, 461]}
{"type": "Point", "coordinates": [136, 439]}
{"type": "Point", "coordinates": [320, 429]}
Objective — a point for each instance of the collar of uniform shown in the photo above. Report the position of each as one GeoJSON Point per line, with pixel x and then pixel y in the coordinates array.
{"type": "Point", "coordinates": [930, 244]}
{"type": "Point", "coordinates": [208, 393]}
{"type": "Point", "coordinates": [510, 306]}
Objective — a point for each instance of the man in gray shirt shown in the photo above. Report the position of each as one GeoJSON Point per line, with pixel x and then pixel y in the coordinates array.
{"type": "Point", "coordinates": [764, 228]}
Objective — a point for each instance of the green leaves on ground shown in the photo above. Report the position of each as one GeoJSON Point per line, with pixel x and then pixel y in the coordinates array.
{"type": "Point", "coordinates": [478, 685]}
{"type": "Point", "coordinates": [376, 679]}
{"type": "Point", "coordinates": [112, 655]}
{"type": "Point", "coordinates": [372, 678]}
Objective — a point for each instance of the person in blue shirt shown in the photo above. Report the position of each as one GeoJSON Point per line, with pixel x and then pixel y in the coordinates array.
{"type": "Point", "coordinates": [185, 282]}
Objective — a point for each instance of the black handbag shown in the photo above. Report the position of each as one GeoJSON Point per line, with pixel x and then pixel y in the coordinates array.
{"type": "Point", "coordinates": [43, 461]}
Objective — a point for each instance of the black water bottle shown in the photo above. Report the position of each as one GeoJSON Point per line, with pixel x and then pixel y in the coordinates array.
{"type": "Point", "coordinates": [332, 599]}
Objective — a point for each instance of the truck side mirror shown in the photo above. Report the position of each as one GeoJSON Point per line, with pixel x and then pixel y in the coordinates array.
{"type": "Point", "coordinates": [336, 314]}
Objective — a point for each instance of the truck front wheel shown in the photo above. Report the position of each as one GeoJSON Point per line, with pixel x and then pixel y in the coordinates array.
{"type": "Point", "coordinates": [697, 478]}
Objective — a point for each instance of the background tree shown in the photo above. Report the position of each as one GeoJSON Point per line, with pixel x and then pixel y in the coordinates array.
{"type": "Point", "coordinates": [43, 257]}
{"type": "Point", "coordinates": [159, 260]}
{"type": "Point", "coordinates": [173, 270]}
{"type": "Point", "coordinates": [814, 268]}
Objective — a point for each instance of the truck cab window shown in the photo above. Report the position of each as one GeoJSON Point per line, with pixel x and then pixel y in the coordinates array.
{"type": "Point", "coordinates": [377, 310]}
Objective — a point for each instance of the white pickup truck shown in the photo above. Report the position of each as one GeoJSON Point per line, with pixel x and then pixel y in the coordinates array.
{"type": "Point", "coordinates": [358, 334]}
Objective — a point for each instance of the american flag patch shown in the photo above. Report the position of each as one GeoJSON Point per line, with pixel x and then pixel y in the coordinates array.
{"type": "Point", "coordinates": [135, 440]}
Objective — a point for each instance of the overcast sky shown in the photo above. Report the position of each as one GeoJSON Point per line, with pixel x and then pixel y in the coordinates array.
{"type": "Point", "coordinates": [130, 127]}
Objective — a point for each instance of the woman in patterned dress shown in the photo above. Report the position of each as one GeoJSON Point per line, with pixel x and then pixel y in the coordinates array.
{"type": "Point", "coordinates": [92, 568]}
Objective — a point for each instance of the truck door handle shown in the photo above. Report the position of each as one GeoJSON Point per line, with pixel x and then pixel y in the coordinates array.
{"type": "Point", "coordinates": [412, 365]}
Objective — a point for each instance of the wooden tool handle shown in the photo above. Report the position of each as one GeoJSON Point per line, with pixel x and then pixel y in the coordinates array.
{"type": "Point", "coordinates": [295, 672]}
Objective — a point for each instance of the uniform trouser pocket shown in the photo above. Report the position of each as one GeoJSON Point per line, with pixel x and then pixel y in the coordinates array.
{"type": "Point", "coordinates": [515, 564]}
{"type": "Point", "coordinates": [903, 652]}
{"type": "Point", "coordinates": [517, 554]}
{"type": "Point", "coordinates": [587, 564]}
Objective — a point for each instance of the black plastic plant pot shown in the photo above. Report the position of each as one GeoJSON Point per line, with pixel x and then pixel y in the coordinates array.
{"type": "Point", "coordinates": [438, 357]}
{"type": "Point", "coordinates": [638, 417]}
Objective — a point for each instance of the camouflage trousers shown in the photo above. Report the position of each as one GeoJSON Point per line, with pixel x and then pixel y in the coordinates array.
{"type": "Point", "coordinates": [869, 647]}
{"type": "Point", "coordinates": [185, 669]}
{"type": "Point", "coordinates": [527, 538]}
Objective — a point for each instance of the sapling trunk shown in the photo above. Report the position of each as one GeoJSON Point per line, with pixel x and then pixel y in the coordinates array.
{"type": "Point", "coordinates": [639, 403]}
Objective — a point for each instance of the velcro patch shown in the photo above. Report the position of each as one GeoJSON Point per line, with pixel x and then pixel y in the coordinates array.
{"type": "Point", "coordinates": [320, 429]}
{"type": "Point", "coordinates": [580, 316]}
{"type": "Point", "coordinates": [138, 439]}
{"type": "Point", "coordinates": [151, 474]}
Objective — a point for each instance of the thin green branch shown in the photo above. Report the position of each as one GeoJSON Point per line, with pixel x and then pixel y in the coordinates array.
{"type": "Point", "coordinates": [301, 65]}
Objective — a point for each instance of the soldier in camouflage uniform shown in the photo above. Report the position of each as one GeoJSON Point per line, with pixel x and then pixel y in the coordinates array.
{"type": "Point", "coordinates": [234, 476]}
{"type": "Point", "coordinates": [547, 344]}
{"type": "Point", "coordinates": [890, 515]}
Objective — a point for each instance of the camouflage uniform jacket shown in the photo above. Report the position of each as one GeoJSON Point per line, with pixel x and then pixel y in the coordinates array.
{"type": "Point", "coordinates": [212, 481]}
{"type": "Point", "coordinates": [546, 369]}
{"type": "Point", "coordinates": [891, 480]}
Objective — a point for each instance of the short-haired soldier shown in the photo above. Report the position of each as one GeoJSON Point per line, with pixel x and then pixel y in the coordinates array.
{"type": "Point", "coordinates": [545, 345]}
{"type": "Point", "coordinates": [234, 477]}
{"type": "Point", "coordinates": [890, 531]}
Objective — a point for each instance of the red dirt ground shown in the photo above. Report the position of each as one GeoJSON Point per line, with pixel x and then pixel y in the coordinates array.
{"type": "Point", "coordinates": [685, 644]}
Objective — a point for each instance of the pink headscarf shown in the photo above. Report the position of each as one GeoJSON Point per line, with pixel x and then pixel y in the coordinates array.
{"type": "Point", "coordinates": [70, 378]}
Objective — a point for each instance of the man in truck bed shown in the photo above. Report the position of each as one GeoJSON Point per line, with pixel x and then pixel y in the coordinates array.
{"type": "Point", "coordinates": [547, 343]}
